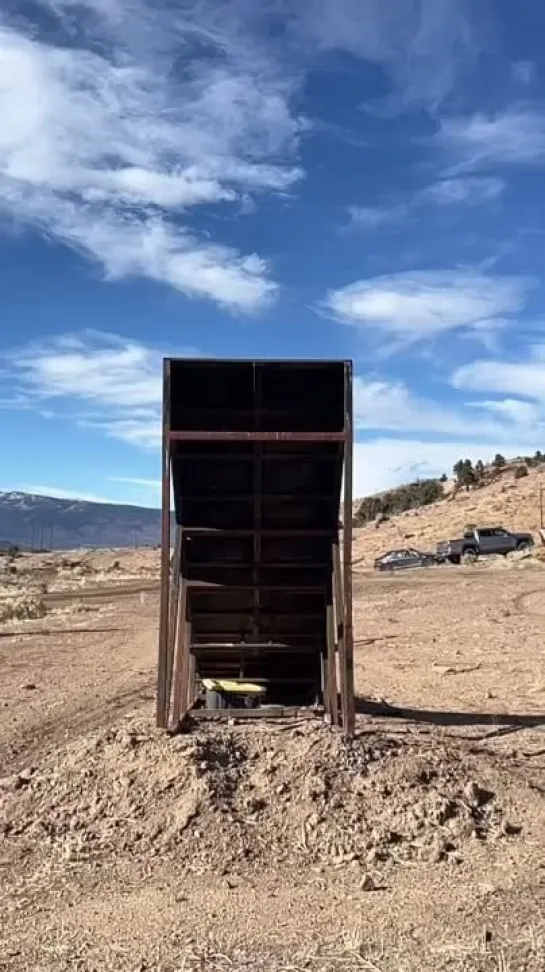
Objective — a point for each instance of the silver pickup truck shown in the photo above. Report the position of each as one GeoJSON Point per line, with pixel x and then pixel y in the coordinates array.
{"type": "Point", "coordinates": [482, 542]}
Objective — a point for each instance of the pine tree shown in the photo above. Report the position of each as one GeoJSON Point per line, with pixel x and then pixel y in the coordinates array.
{"type": "Point", "coordinates": [464, 472]}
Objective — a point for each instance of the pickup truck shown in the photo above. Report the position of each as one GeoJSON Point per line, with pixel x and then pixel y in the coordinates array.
{"type": "Point", "coordinates": [481, 542]}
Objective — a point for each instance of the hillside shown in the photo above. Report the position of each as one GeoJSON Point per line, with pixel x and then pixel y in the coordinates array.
{"type": "Point", "coordinates": [509, 502]}
{"type": "Point", "coordinates": [31, 521]}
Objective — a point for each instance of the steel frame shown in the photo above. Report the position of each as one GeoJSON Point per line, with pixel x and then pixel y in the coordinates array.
{"type": "Point", "coordinates": [176, 664]}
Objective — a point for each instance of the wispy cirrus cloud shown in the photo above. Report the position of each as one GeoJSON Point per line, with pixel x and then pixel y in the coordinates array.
{"type": "Point", "coordinates": [471, 191]}
{"type": "Point", "coordinates": [415, 305]}
{"type": "Point", "coordinates": [515, 137]}
{"type": "Point", "coordinates": [461, 191]}
{"type": "Point", "coordinates": [423, 47]}
{"type": "Point", "coordinates": [524, 376]}
{"type": "Point", "coordinates": [108, 137]}
{"type": "Point", "coordinates": [98, 380]}
{"type": "Point", "coordinates": [369, 218]}
{"type": "Point", "coordinates": [381, 405]}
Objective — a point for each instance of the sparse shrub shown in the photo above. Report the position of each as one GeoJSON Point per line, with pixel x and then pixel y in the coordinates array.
{"type": "Point", "coordinates": [23, 606]}
{"type": "Point", "coordinates": [499, 461]}
{"type": "Point", "coordinates": [410, 497]}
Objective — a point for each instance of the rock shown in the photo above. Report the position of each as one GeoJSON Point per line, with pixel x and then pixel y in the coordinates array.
{"type": "Point", "coordinates": [476, 795]}
{"type": "Point", "coordinates": [10, 782]}
{"type": "Point", "coordinates": [367, 883]}
{"type": "Point", "coordinates": [29, 686]}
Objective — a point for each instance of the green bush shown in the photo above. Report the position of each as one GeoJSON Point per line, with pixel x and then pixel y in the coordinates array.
{"type": "Point", "coordinates": [410, 497]}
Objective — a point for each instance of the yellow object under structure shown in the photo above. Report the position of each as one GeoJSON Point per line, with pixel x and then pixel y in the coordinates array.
{"type": "Point", "coordinates": [226, 685]}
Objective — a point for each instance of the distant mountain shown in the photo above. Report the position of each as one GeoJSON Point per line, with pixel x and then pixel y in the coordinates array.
{"type": "Point", "coordinates": [31, 521]}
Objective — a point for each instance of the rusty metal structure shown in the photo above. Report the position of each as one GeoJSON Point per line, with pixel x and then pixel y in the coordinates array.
{"type": "Point", "coordinates": [259, 583]}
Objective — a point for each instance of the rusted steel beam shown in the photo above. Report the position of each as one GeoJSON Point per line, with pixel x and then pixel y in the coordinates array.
{"type": "Point", "coordinates": [185, 665]}
{"type": "Point", "coordinates": [236, 457]}
{"type": "Point", "coordinates": [264, 712]}
{"type": "Point", "coordinates": [283, 534]}
{"type": "Point", "coordinates": [191, 678]}
{"type": "Point", "coordinates": [245, 564]}
{"type": "Point", "coordinates": [265, 617]}
{"type": "Point", "coordinates": [331, 670]}
{"type": "Point", "coordinates": [250, 645]}
{"type": "Point", "coordinates": [181, 648]}
{"type": "Point", "coordinates": [173, 612]}
{"type": "Point", "coordinates": [292, 588]}
{"type": "Point", "coordinates": [275, 637]}
{"type": "Point", "coordinates": [228, 435]}
{"type": "Point", "coordinates": [162, 700]}
{"type": "Point", "coordinates": [349, 710]}
{"type": "Point", "coordinates": [269, 498]}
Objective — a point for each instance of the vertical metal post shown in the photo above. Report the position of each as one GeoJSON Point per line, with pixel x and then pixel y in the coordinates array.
{"type": "Point", "coordinates": [191, 679]}
{"type": "Point", "coordinates": [161, 710]}
{"type": "Point", "coordinates": [174, 605]}
{"type": "Point", "coordinates": [256, 503]}
{"type": "Point", "coordinates": [181, 652]}
{"type": "Point", "coordinates": [338, 603]}
{"type": "Point", "coordinates": [185, 680]}
{"type": "Point", "coordinates": [331, 671]}
{"type": "Point", "coordinates": [541, 507]}
{"type": "Point", "coordinates": [349, 712]}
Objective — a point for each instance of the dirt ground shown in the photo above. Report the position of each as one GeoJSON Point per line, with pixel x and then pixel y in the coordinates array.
{"type": "Point", "coordinates": [417, 847]}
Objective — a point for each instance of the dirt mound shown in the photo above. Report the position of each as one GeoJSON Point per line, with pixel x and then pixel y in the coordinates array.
{"type": "Point", "coordinates": [230, 799]}
{"type": "Point", "coordinates": [21, 607]}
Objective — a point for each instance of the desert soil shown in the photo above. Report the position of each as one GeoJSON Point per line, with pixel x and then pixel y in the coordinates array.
{"type": "Point", "coordinates": [419, 846]}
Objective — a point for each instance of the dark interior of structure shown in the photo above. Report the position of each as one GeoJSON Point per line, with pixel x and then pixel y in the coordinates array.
{"type": "Point", "coordinates": [259, 519]}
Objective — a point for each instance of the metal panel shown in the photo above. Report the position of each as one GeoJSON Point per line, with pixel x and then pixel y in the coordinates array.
{"type": "Point", "coordinates": [256, 450]}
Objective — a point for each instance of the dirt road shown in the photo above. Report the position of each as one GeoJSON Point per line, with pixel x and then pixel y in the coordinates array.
{"type": "Point", "coordinates": [420, 848]}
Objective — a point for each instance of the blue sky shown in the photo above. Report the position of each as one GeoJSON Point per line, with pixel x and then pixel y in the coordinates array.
{"type": "Point", "coordinates": [332, 178]}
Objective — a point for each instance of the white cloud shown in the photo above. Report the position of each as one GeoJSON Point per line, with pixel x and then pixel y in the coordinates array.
{"type": "Point", "coordinates": [473, 191]}
{"type": "Point", "coordinates": [111, 384]}
{"type": "Point", "coordinates": [375, 217]}
{"type": "Point", "coordinates": [423, 47]}
{"type": "Point", "coordinates": [59, 492]}
{"type": "Point", "coordinates": [421, 304]}
{"type": "Point", "coordinates": [525, 378]}
{"type": "Point", "coordinates": [385, 462]}
{"type": "Point", "coordinates": [391, 406]}
{"type": "Point", "coordinates": [104, 144]}
{"type": "Point", "coordinates": [516, 137]}
{"type": "Point", "coordinates": [153, 484]}
{"type": "Point", "coordinates": [515, 410]}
